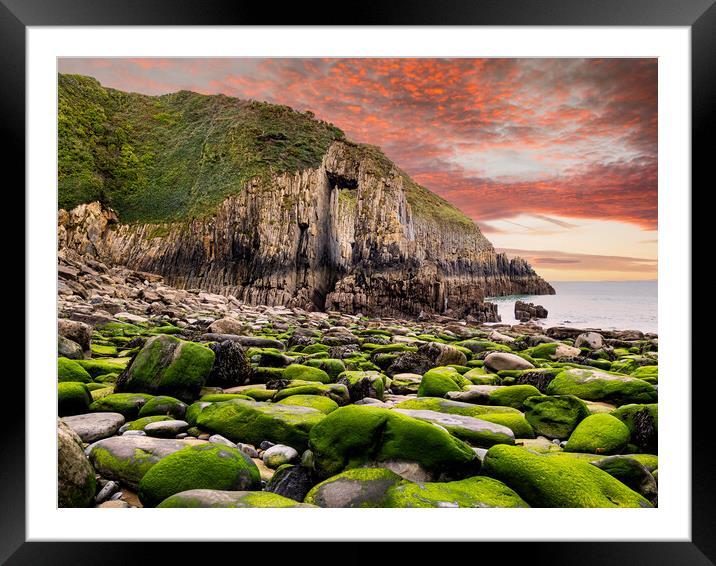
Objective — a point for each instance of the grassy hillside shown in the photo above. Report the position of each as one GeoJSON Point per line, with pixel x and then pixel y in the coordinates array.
{"type": "Point", "coordinates": [177, 156]}
{"type": "Point", "coordinates": [174, 156]}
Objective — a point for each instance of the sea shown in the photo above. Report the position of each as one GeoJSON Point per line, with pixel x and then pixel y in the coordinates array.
{"type": "Point", "coordinates": [607, 305]}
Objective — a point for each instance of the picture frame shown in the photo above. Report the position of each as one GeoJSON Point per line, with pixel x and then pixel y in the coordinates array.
{"type": "Point", "coordinates": [698, 15]}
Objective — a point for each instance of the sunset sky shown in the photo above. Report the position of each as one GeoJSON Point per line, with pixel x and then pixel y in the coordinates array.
{"type": "Point", "coordinates": [555, 159]}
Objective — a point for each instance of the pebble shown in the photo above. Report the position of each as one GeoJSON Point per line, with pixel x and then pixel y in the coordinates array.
{"type": "Point", "coordinates": [109, 488]}
{"type": "Point", "coordinates": [278, 455]}
{"type": "Point", "coordinates": [247, 449]}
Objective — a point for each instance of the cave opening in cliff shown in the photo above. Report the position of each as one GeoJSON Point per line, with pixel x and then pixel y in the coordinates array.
{"type": "Point", "coordinates": [338, 181]}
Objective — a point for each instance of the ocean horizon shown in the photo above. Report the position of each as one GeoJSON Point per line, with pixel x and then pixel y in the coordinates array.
{"type": "Point", "coordinates": [608, 305]}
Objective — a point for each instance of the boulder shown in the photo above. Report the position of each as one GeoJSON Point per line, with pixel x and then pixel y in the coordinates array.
{"type": "Point", "coordinates": [439, 381]}
{"type": "Point", "coordinates": [78, 332]}
{"type": "Point", "coordinates": [70, 370]}
{"type": "Point", "coordinates": [278, 455]}
{"type": "Point", "coordinates": [631, 473]}
{"type": "Point", "coordinates": [338, 392]}
{"type": "Point", "coordinates": [128, 404]}
{"type": "Point", "coordinates": [352, 435]}
{"type": "Point", "coordinates": [166, 428]}
{"type": "Point", "coordinates": [544, 481]}
{"type": "Point", "coordinates": [591, 340]}
{"type": "Point", "coordinates": [203, 466]}
{"type": "Point", "coordinates": [497, 361]}
{"type": "Point", "coordinates": [474, 431]}
{"type": "Point", "coordinates": [306, 373]}
{"type": "Point", "coordinates": [68, 349]}
{"type": "Point", "coordinates": [75, 476]}
{"type": "Point", "coordinates": [599, 434]}
{"type": "Point", "coordinates": [227, 326]}
{"type": "Point", "coordinates": [555, 416]}
{"type": "Point", "coordinates": [246, 341]}
{"type": "Point", "coordinates": [253, 422]}
{"type": "Point", "coordinates": [231, 366]}
{"type": "Point", "coordinates": [293, 482]}
{"type": "Point", "coordinates": [213, 498]}
{"type": "Point", "coordinates": [442, 354]}
{"type": "Point", "coordinates": [359, 487]}
{"type": "Point", "coordinates": [168, 366]}
{"type": "Point", "coordinates": [643, 423]}
{"type": "Point", "coordinates": [318, 402]}
{"type": "Point", "coordinates": [596, 385]}
{"type": "Point", "coordinates": [91, 427]}
{"type": "Point", "coordinates": [73, 398]}
{"type": "Point", "coordinates": [163, 405]}
{"type": "Point", "coordinates": [127, 458]}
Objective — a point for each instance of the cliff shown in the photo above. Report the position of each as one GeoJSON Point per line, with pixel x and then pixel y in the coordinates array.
{"type": "Point", "coordinates": [348, 232]}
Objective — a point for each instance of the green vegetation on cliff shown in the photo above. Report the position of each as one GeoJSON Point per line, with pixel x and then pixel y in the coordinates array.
{"type": "Point", "coordinates": [175, 156]}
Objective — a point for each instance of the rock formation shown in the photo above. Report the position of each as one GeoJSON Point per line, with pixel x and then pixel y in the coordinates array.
{"type": "Point", "coordinates": [526, 311]}
{"type": "Point", "coordinates": [353, 234]}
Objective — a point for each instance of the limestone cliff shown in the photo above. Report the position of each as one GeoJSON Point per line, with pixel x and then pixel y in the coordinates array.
{"type": "Point", "coordinates": [354, 234]}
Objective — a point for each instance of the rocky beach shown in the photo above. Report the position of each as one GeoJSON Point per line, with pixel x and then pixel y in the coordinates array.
{"type": "Point", "coordinates": [255, 311]}
{"type": "Point", "coordinates": [183, 398]}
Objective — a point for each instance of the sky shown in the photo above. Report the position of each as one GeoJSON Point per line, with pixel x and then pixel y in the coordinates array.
{"type": "Point", "coordinates": [554, 159]}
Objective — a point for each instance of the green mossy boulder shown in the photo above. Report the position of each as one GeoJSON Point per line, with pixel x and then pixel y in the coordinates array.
{"type": "Point", "coordinates": [253, 422]}
{"type": "Point", "coordinates": [480, 376]}
{"type": "Point", "coordinates": [76, 482]}
{"type": "Point", "coordinates": [544, 481]}
{"type": "Point", "coordinates": [163, 405]}
{"type": "Point", "coordinates": [141, 422]}
{"type": "Point", "coordinates": [331, 366]}
{"type": "Point", "coordinates": [358, 487]}
{"type": "Point", "coordinates": [204, 466]}
{"type": "Point", "coordinates": [476, 432]}
{"type": "Point", "coordinates": [512, 395]}
{"type": "Point", "coordinates": [104, 366]}
{"type": "Point", "coordinates": [555, 416]}
{"type": "Point", "coordinates": [167, 365]}
{"type": "Point", "coordinates": [354, 435]}
{"type": "Point", "coordinates": [335, 391]}
{"type": "Point", "coordinates": [439, 381]}
{"type": "Point", "coordinates": [212, 498]}
{"type": "Point", "coordinates": [192, 412]}
{"type": "Point", "coordinates": [596, 385]}
{"type": "Point", "coordinates": [70, 370]}
{"type": "Point", "coordinates": [305, 373]}
{"type": "Point", "coordinates": [103, 350]}
{"type": "Point", "coordinates": [599, 434]}
{"type": "Point", "coordinates": [318, 402]}
{"type": "Point", "coordinates": [128, 404]}
{"type": "Point", "coordinates": [73, 398]}
{"type": "Point", "coordinates": [477, 491]}
{"type": "Point", "coordinates": [516, 422]}
{"type": "Point", "coordinates": [454, 407]}
{"type": "Point", "coordinates": [644, 372]}
{"type": "Point", "coordinates": [218, 397]}
{"type": "Point", "coordinates": [127, 458]}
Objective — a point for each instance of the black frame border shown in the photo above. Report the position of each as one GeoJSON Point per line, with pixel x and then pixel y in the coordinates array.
{"type": "Point", "coordinates": [699, 15]}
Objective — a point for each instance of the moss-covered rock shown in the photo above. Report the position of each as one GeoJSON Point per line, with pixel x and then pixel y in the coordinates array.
{"type": "Point", "coordinates": [353, 435]}
{"type": "Point", "coordinates": [516, 422]}
{"type": "Point", "coordinates": [318, 402]}
{"type": "Point", "coordinates": [631, 473]}
{"type": "Point", "coordinates": [477, 491]}
{"type": "Point", "coordinates": [598, 434]}
{"type": "Point", "coordinates": [454, 407]}
{"type": "Point", "coordinates": [104, 366]}
{"type": "Point", "coordinates": [218, 397]}
{"type": "Point", "coordinates": [75, 475]}
{"type": "Point", "coordinates": [512, 395]}
{"type": "Point", "coordinates": [167, 365]}
{"type": "Point", "coordinates": [70, 370]}
{"type": "Point", "coordinates": [204, 466]}
{"type": "Point", "coordinates": [362, 384]}
{"type": "Point", "coordinates": [480, 376]}
{"type": "Point", "coordinates": [128, 404]}
{"type": "Point", "coordinates": [192, 412]}
{"type": "Point", "coordinates": [212, 498]}
{"type": "Point", "coordinates": [358, 487]}
{"type": "Point", "coordinates": [140, 423]}
{"type": "Point", "coordinates": [306, 373]}
{"type": "Point", "coordinates": [264, 375]}
{"type": "Point", "coordinates": [555, 416]}
{"type": "Point", "coordinates": [338, 392]}
{"type": "Point", "coordinates": [476, 432]}
{"type": "Point", "coordinates": [127, 458]}
{"type": "Point", "coordinates": [439, 381]}
{"type": "Point", "coordinates": [333, 367]}
{"type": "Point", "coordinates": [479, 346]}
{"type": "Point", "coordinates": [595, 385]}
{"type": "Point", "coordinates": [544, 481]}
{"type": "Point", "coordinates": [73, 398]}
{"type": "Point", "coordinates": [103, 350]}
{"type": "Point", "coordinates": [163, 405]}
{"type": "Point", "coordinates": [644, 372]}
{"type": "Point", "coordinates": [253, 422]}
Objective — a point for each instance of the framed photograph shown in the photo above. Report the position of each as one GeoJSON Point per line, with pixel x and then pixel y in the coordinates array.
{"type": "Point", "coordinates": [408, 277]}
